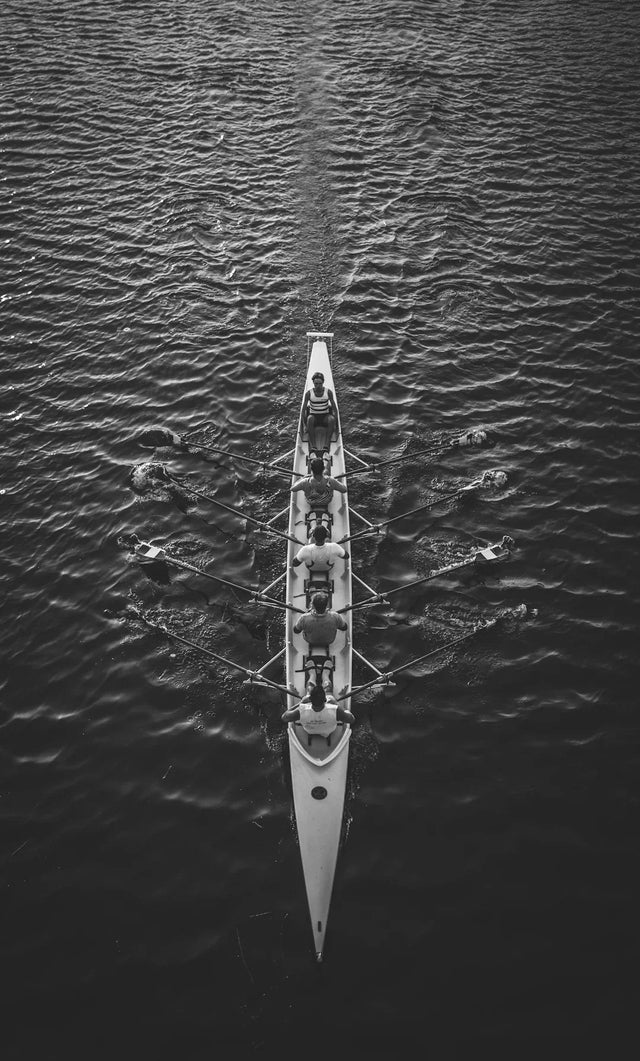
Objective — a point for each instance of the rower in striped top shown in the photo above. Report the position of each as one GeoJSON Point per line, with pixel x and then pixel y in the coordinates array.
{"type": "Point", "coordinates": [319, 411]}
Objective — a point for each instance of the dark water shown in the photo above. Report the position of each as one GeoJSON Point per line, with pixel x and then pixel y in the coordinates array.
{"type": "Point", "coordinates": [453, 188]}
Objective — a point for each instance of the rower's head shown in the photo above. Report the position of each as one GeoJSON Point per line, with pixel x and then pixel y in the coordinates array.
{"type": "Point", "coordinates": [320, 534]}
{"type": "Point", "coordinates": [319, 603]}
{"type": "Point", "coordinates": [318, 380]}
{"type": "Point", "coordinates": [318, 698]}
{"type": "Point", "coordinates": [317, 466]}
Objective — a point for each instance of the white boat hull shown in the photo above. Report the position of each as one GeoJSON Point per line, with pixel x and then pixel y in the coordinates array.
{"type": "Point", "coordinates": [318, 764]}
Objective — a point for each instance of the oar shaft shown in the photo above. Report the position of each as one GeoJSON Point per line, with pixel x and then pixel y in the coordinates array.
{"type": "Point", "coordinates": [412, 512]}
{"type": "Point", "coordinates": [429, 504]}
{"type": "Point", "coordinates": [392, 460]}
{"type": "Point", "coordinates": [267, 589]}
{"type": "Point", "coordinates": [388, 675]}
{"type": "Point", "coordinates": [213, 655]}
{"type": "Point", "coordinates": [430, 577]}
{"type": "Point", "coordinates": [205, 574]}
{"type": "Point", "coordinates": [443, 648]}
{"type": "Point", "coordinates": [230, 508]}
{"type": "Point", "coordinates": [380, 597]}
{"type": "Point", "coordinates": [259, 596]}
{"type": "Point", "coordinates": [239, 457]}
{"type": "Point", "coordinates": [193, 644]}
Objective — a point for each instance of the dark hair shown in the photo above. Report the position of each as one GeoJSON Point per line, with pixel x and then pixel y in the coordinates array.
{"type": "Point", "coordinates": [318, 696]}
{"type": "Point", "coordinates": [317, 464]}
{"type": "Point", "coordinates": [317, 375]}
{"type": "Point", "coordinates": [319, 602]}
{"type": "Point", "coordinates": [320, 531]}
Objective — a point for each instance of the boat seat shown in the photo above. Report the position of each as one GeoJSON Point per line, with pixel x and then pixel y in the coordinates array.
{"type": "Point", "coordinates": [316, 584]}
{"type": "Point", "coordinates": [318, 580]}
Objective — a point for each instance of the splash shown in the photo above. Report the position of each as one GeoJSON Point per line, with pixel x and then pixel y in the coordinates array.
{"type": "Point", "coordinates": [494, 479]}
{"type": "Point", "coordinates": [147, 476]}
{"type": "Point", "coordinates": [475, 437]}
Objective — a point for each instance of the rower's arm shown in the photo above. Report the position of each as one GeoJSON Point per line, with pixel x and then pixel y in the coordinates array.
{"type": "Point", "coordinates": [332, 403]}
{"type": "Point", "coordinates": [292, 714]}
{"type": "Point", "coordinates": [299, 485]}
{"type": "Point", "coordinates": [344, 715]}
{"type": "Point", "coordinates": [341, 487]}
{"type": "Point", "coordinates": [298, 559]}
{"type": "Point", "coordinates": [305, 407]}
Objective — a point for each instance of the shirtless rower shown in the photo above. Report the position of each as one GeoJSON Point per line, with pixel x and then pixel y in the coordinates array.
{"type": "Point", "coordinates": [319, 411]}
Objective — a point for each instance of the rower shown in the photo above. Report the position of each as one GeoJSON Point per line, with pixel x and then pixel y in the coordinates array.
{"type": "Point", "coordinates": [319, 713]}
{"type": "Point", "coordinates": [319, 555]}
{"type": "Point", "coordinates": [319, 627]}
{"type": "Point", "coordinates": [319, 411]}
{"type": "Point", "coordinates": [318, 487]}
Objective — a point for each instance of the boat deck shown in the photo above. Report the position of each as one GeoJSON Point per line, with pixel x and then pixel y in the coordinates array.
{"type": "Point", "coordinates": [318, 764]}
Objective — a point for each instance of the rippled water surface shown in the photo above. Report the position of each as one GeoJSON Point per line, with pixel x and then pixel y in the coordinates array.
{"type": "Point", "coordinates": [453, 188]}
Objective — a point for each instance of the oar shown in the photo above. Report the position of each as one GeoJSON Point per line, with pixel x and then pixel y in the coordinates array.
{"type": "Point", "coordinates": [387, 676]}
{"type": "Point", "coordinates": [376, 527]}
{"type": "Point", "coordinates": [266, 467]}
{"type": "Point", "coordinates": [229, 508]}
{"type": "Point", "coordinates": [213, 655]}
{"type": "Point", "coordinates": [469, 438]}
{"type": "Point", "coordinates": [147, 553]}
{"type": "Point", "coordinates": [171, 438]}
{"type": "Point", "coordinates": [489, 554]}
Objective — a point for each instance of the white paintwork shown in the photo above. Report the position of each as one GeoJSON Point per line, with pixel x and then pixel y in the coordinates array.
{"type": "Point", "coordinates": [318, 762]}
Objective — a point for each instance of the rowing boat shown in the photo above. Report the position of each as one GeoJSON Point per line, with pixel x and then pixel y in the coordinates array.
{"type": "Point", "coordinates": [318, 764]}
